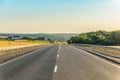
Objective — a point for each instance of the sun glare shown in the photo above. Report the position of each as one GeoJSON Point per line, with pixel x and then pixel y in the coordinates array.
{"type": "Point", "coordinates": [116, 1]}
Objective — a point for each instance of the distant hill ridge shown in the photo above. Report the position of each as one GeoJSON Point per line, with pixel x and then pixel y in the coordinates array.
{"type": "Point", "coordinates": [52, 36]}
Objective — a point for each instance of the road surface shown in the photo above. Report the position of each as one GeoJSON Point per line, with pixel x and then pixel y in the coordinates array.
{"type": "Point", "coordinates": [59, 62]}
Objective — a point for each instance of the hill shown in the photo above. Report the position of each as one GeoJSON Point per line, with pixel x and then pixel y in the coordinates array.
{"type": "Point", "coordinates": [52, 36]}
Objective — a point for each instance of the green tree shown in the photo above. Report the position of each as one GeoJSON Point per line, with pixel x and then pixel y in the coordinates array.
{"type": "Point", "coordinates": [98, 37]}
{"type": "Point", "coordinates": [115, 37]}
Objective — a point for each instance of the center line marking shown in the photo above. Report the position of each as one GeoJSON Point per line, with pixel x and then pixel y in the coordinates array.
{"type": "Point", "coordinates": [58, 56]}
{"type": "Point", "coordinates": [55, 70]}
{"type": "Point", "coordinates": [59, 47]}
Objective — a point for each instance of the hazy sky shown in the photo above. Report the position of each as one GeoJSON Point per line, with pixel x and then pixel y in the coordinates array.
{"type": "Point", "coordinates": [59, 15]}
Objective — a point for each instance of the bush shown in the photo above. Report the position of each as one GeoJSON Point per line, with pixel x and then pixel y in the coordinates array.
{"type": "Point", "coordinates": [98, 37]}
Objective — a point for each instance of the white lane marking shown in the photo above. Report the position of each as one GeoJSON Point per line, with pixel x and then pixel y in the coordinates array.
{"type": "Point", "coordinates": [99, 58]}
{"type": "Point", "coordinates": [58, 56]}
{"type": "Point", "coordinates": [55, 69]}
{"type": "Point", "coordinates": [18, 58]}
{"type": "Point", "coordinates": [59, 47]}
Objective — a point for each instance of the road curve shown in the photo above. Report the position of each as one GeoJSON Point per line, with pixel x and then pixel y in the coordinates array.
{"type": "Point", "coordinates": [62, 62]}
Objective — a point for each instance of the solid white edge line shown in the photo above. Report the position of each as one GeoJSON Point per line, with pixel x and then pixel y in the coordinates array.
{"type": "Point", "coordinates": [55, 69]}
{"type": "Point", "coordinates": [2, 64]}
{"type": "Point", "coordinates": [99, 58]}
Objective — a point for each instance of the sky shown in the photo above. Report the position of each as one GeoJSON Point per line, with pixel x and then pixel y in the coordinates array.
{"type": "Point", "coordinates": [59, 16]}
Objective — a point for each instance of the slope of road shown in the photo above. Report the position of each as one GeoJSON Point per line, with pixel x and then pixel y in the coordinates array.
{"type": "Point", "coordinates": [76, 64]}
{"type": "Point", "coordinates": [59, 63]}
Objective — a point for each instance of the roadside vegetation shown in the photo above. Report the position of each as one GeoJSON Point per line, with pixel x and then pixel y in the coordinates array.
{"type": "Point", "coordinates": [10, 43]}
{"type": "Point", "coordinates": [102, 41]}
{"type": "Point", "coordinates": [97, 38]}
{"type": "Point", "coordinates": [48, 42]}
{"type": "Point", "coordinates": [115, 51]}
{"type": "Point", "coordinates": [7, 43]}
{"type": "Point", "coordinates": [13, 48]}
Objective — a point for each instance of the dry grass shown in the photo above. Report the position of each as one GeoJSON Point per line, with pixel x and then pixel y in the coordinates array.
{"type": "Point", "coordinates": [13, 43]}
{"type": "Point", "coordinates": [105, 50]}
{"type": "Point", "coordinates": [11, 53]}
{"type": "Point", "coordinates": [115, 46]}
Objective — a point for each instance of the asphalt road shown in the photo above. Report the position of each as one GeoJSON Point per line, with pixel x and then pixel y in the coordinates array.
{"type": "Point", "coordinates": [62, 62]}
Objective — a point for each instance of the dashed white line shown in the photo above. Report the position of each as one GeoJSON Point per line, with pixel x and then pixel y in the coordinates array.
{"type": "Point", "coordinates": [59, 47]}
{"type": "Point", "coordinates": [58, 56]}
{"type": "Point", "coordinates": [55, 69]}
{"type": "Point", "coordinates": [59, 51]}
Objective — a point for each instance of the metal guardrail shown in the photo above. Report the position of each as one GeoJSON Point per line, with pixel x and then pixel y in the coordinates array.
{"type": "Point", "coordinates": [103, 49]}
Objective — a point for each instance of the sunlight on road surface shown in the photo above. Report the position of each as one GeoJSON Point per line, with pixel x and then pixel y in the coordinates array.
{"type": "Point", "coordinates": [59, 39]}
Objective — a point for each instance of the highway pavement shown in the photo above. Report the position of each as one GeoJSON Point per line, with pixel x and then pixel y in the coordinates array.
{"type": "Point", "coordinates": [59, 62]}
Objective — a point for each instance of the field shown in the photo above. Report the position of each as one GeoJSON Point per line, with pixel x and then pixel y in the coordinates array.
{"type": "Point", "coordinates": [5, 43]}
{"type": "Point", "coordinates": [11, 49]}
